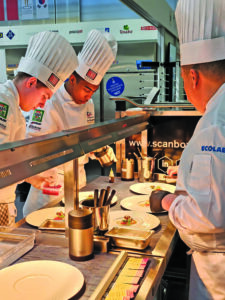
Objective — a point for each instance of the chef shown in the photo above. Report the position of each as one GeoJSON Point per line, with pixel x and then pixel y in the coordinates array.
{"type": "Point", "coordinates": [197, 208]}
{"type": "Point", "coordinates": [48, 61]}
{"type": "Point", "coordinates": [72, 105]}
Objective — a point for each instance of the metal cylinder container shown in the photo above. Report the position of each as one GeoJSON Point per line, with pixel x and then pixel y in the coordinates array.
{"type": "Point", "coordinates": [81, 244]}
{"type": "Point", "coordinates": [127, 170]}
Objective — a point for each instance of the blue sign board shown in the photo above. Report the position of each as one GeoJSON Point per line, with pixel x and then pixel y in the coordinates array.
{"type": "Point", "coordinates": [115, 86]}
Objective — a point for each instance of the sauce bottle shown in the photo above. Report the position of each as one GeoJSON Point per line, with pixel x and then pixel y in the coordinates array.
{"type": "Point", "coordinates": [111, 176]}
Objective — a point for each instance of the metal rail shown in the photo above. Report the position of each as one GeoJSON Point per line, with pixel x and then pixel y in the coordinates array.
{"type": "Point", "coordinates": [25, 158]}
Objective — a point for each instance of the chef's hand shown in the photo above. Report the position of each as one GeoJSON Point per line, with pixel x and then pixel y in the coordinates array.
{"type": "Point", "coordinates": [172, 171]}
{"type": "Point", "coordinates": [111, 154]}
{"type": "Point", "coordinates": [47, 178]}
{"type": "Point", "coordinates": [167, 201]}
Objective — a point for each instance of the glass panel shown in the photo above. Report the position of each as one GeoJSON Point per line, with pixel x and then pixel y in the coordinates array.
{"type": "Point", "coordinates": [29, 7]}
{"type": "Point", "coordinates": [43, 11]}
{"type": "Point", "coordinates": [105, 10]}
{"type": "Point", "coordinates": [67, 11]}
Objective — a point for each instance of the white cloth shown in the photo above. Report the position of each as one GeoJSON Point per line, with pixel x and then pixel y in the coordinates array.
{"type": "Point", "coordinates": [12, 128]}
{"type": "Point", "coordinates": [12, 121]}
{"type": "Point", "coordinates": [60, 113]}
{"type": "Point", "coordinates": [202, 287]}
{"type": "Point", "coordinates": [201, 30]}
{"type": "Point", "coordinates": [199, 210]}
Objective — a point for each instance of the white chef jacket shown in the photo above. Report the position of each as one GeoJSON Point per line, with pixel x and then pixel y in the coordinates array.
{"type": "Point", "coordinates": [12, 128]}
{"type": "Point", "coordinates": [199, 211]}
{"type": "Point", "coordinates": [60, 113]}
{"type": "Point", "coordinates": [12, 121]}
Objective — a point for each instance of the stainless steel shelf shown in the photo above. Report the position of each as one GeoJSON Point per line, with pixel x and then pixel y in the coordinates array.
{"type": "Point", "coordinates": [25, 158]}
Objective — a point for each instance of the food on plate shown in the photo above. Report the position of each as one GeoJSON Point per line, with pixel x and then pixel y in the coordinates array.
{"type": "Point", "coordinates": [144, 203]}
{"type": "Point", "coordinates": [60, 215]}
{"type": "Point", "coordinates": [127, 220]}
{"type": "Point", "coordinates": [155, 187]}
{"type": "Point", "coordinates": [90, 196]}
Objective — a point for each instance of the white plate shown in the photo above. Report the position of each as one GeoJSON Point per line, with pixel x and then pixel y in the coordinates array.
{"type": "Point", "coordinates": [42, 279]}
{"type": "Point", "coordinates": [37, 217]}
{"type": "Point", "coordinates": [137, 203]}
{"type": "Point", "coordinates": [143, 220]}
{"type": "Point", "coordinates": [86, 195]}
{"type": "Point", "coordinates": [146, 188]}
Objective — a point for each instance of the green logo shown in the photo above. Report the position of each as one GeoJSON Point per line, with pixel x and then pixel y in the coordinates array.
{"type": "Point", "coordinates": [38, 115]}
{"type": "Point", "coordinates": [3, 110]}
{"type": "Point", "coordinates": [125, 27]}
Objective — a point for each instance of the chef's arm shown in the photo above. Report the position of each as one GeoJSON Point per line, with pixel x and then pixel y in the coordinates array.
{"type": "Point", "coordinates": [167, 201]}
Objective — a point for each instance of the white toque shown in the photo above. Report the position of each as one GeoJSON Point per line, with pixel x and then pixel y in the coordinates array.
{"type": "Point", "coordinates": [50, 58]}
{"type": "Point", "coordinates": [97, 55]}
{"type": "Point", "coordinates": [201, 30]}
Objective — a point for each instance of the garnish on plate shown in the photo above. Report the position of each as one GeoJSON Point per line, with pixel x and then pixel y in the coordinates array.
{"type": "Point", "coordinates": [60, 215]}
{"type": "Point", "coordinates": [127, 220]}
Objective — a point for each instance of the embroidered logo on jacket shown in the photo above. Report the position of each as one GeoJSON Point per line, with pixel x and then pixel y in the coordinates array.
{"type": "Point", "coordinates": [4, 108]}
{"type": "Point", "coordinates": [38, 115]}
{"type": "Point", "coordinates": [90, 117]}
{"type": "Point", "coordinates": [213, 149]}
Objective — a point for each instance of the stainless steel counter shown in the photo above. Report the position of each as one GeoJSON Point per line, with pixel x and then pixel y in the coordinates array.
{"type": "Point", "coordinates": [55, 247]}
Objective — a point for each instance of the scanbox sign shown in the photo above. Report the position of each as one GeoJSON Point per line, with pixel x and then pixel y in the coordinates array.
{"type": "Point", "coordinates": [167, 139]}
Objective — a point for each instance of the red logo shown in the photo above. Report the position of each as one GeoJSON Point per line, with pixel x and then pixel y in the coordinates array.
{"type": "Point", "coordinates": [53, 79]}
{"type": "Point", "coordinates": [148, 28]}
{"type": "Point", "coordinates": [91, 74]}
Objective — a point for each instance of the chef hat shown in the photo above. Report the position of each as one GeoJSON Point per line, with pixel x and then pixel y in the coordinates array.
{"type": "Point", "coordinates": [50, 58]}
{"type": "Point", "coordinates": [201, 30]}
{"type": "Point", "coordinates": [97, 55]}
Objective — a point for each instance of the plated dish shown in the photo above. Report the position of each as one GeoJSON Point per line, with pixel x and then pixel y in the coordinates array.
{"type": "Point", "coordinates": [132, 220]}
{"type": "Point", "coordinates": [36, 218]}
{"type": "Point", "coordinates": [90, 195]}
{"type": "Point", "coordinates": [146, 188]}
{"type": "Point", "coordinates": [42, 279]}
{"type": "Point", "coordinates": [137, 203]}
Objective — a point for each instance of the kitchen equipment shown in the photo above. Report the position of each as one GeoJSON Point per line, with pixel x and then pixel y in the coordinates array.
{"type": "Point", "coordinates": [106, 195]}
{"type": "Point", "coordinates": [110, 198]}
{"type": "Point", "coordinates": [51, 224]}
{"type": "Point", "coordinates": [146, 167]}
{"type": "Point", "coordinates": [165, 178]}
{"type": "Point", "coordinates": [127, 169]}
{"type": "Point", "coordinates": [103, 156]}
{"type": "Point", "coordinates": [100, 215]}
{"type": "Point", "coordinates": [130, 238]}
{"type": "Point", "coordinates": [13, 245]}
{"type": "Point", "coordinates": [90, 195]}
{"type": "Point", "coordinates": [40, 279]}
{"type": "Point", "coordinates": [81, 244]}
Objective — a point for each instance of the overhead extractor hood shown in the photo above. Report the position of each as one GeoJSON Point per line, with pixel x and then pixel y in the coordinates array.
{"type": "Point", "coordinates": [157, 12]}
